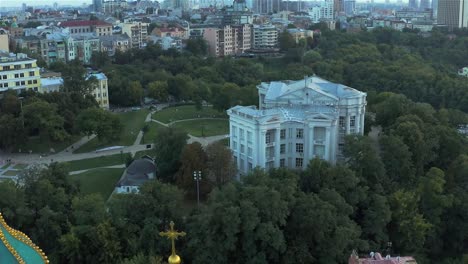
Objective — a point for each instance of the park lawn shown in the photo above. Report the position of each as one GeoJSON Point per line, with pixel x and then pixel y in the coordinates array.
{"type": "Point", "coordinates": [204, 127]}
{"type": "Point", "coordinates": [132, 122]}
{"type": "Point", "coordinates": [100, 181]}
{"type": "Point", "coordinates": [150, 135]}
{"type": "Point", "coordinates": [172, 114]}
{"type": "Point", "coordinates": [38, 145]}
{"type": "Point", "coordinates": [11, 173]}
{"type": "Point", "coordinates": [103, 161]}
{"type": "Point", "coordinates": [20, 166]}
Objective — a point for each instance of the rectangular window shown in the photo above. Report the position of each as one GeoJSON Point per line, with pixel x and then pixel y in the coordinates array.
{"type": "Point", "coordinates": [17, 67]}
{"type": "Point", "coordinates": [242, 148]}
{"type": "Point", "coordinates": [298, 162]}
{"type": "Point", "coordinates": [21, 74]}
{"type": "Point", "coordinates": [234, 131]}
{"type": "Point", "coordinates": [342, 123]}
{"type": "Point", "coordinates": [6, 68]}
{"type": "Point", "coordinates": [234, 144]}
{"type": "Point", "coordinates": [319, 151]}
{"type": "Point", "coordinates": [249, 151]}
{"type": "Point", "coordinates": [249, 136]}
{"type": "Point", "coordinates": [267, 137]}
{"type": "Point", "coordinates": [250, 166]}
{"type": "Point", "coordinates": [283, 134]}
{"type": "Point", "coordinates": [241, 133]}
{"type": "Point", "coordinates": [283, 148]}
{"type": "Point", "coordinates": [29, 82]}
{"type": "Point", "coordinates": [319, 134]}
{"type": "Point", "coordinates": [31, 73]}
{"type": "Point", "coordinates": [241, 164]}
{"type": "Point", "coordinates": [299, 148]}
{"type": "Point", "coordinates": [352, 121]}
{"type": "Point", "coordinates": [23, 82]}
{"type": "Point", "coordinates": [290, 132]}
{"type": "Point", "coordinates": [28, 65]}
{"type": "Point", "coordinates": [5, 85]}
{"type": "Point", "coordinates": [16, 75]}
{"type": "Point", "coordinates": [4, 77]}
{"type": "Point", "coordinates": [282, 163]}
{"type": "Point", "coordinates": [17, 83]}
{"type": "Point", "coordinates": [289, 147]}
{"type": "Point", "coordinates": [299, 133]}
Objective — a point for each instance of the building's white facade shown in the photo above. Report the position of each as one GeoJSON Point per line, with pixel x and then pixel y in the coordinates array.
{"type": "Point", "coordinates": [296, 121]}
{"type": "Point", "coordinates": [101, 91]}
{"type": "Point", "coordinates": [323, 10]}
{"type": "Point", "coordinates": [265, 37]}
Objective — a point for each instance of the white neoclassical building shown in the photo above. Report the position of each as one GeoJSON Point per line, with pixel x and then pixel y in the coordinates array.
{"type": "Point", "coordinates": [296, 121]}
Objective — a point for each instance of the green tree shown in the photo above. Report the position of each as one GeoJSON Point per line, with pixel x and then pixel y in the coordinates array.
{"type": "Point", "coordinates": [193, 158]}
{"type": "Point", "coordinates": [12, 133]}
{"type": "Point", "coordinates": [221, 168]}
{"type": "Point", "coordinates": [135, 93]}
{"type": "Point", "coordinates": [106, 125]}
{"type": "Point", "coordinates": [169, 144]}
{"type": "Point", "coordinates": [397, 160]}
{"type": "Point", "coordinates": [43, 117]}
{"type": "Point", "coordinates": [158, 90]}
{"type": "Point", "coordinates": [286, 41]}
{"type": "Point", "coordinates": [197, 46]}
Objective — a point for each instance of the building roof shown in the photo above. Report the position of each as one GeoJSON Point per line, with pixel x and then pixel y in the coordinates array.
{"type": "Point", "coordinates": [51, 81]}
{"type": "Point", "coordinates": [139, 172]}
{"type": "Point", "coordinates": [376, 258]}
{"type": "Point", "coordinates": [84, 23]}
{"type": "Point", "coordinates": [16, 247]}
{"type": "Point", "coordinates": [98, 76]}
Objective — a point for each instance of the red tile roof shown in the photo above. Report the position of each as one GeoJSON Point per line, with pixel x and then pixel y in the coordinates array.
{"type": "Point", "coordinates": [84, 23]}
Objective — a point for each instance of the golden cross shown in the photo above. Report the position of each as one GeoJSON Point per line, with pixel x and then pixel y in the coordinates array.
{"type": "Point", "coordinates": [172, 235]}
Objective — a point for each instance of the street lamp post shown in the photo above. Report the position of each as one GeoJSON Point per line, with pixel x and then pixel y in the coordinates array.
{"type": "Point", "coordinates": [197, 178]}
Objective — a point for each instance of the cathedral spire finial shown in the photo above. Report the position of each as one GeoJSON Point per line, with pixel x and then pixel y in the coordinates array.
{"type": "Point", "coordinates": [173, 235]}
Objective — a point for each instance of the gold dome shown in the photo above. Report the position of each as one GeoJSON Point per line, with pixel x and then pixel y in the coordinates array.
{"type": "Point", "coordinates": [173, 259]}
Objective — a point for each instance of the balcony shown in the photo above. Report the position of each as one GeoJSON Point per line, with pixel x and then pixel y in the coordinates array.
{"type": "Point", "coordinates": [270, 144]}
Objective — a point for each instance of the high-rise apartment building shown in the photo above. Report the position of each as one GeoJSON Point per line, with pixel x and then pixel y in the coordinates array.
{"type": "Point", "coordinates": [349, 7]}
{"type": "Point", "coordinates": [265, 37]}
{"type": "Point", "coordinates": [138, 33]}
{"type": "Point", "coordinates": [18, 72]}
{"type": "Point", "coordinates": [296, 122]}
{"type": "Point", "coordinates": [338, 6]}
{"type": "Point", "coordinates": [423, 4]}
{"type": "Point", "coordinates": [453, 13]}
{"type": "Point", "coordinates": [97, 5]}
{"type": "Point", "coordinates": [228, 40]}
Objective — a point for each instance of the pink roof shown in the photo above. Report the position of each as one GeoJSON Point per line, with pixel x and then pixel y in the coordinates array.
{"type": "Point", "coordinates": [378, 259]}
{"type": "Point", "coordinates": [84, 23]}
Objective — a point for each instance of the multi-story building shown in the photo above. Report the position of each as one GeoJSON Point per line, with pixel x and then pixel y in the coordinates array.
{"type": "Point", "coordinates": [296, 122]}
{"type": "Point", "coordinates": [265, 37]}
{"type": "Point", "coordinates": [100, 91]}
{"type": "Point", "coordinates": [228, 40]}
{"type": "Point", "coordinates": [97, 5]}
{"type": "Point", "coordinates": [173, 32]}
{"type": "Point", "coordinates": [4, 40]}
{"type": "Point", "coordinates": [85, 46]}
{"type": "Point", "coordinates": [111, 44]}
{"type": "Point", "coordinates": [138, 33]}
{"type": "Point", "coordinates": [453, 13]}
{"type": "Point", "coordinates": [349, 7]}
{"type": "Point", "coordinates": [57, 47]}
{"type": "Point", "coordinates": [321, 11]}
{"type": "Point", "coordinates": [18, 72]}
{"type": "Point", "coordinates": [114, 6]}
{"type": "Point", "coordinates": [80, 27]}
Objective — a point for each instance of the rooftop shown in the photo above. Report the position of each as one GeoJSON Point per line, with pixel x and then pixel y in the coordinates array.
{"type": "Point", "coordinates": [140, 171]}
{"type": "Point", "coordinates": [84, 23]}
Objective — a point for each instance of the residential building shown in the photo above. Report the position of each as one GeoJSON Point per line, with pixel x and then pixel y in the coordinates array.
{"type": "Point", "coordinates": [57, 47]}
{"type": "Point", "coordinates": [300, 33]}
{"type": "Point", "coordinates": [167, 42]}
{"type": "Point", "coordinates": [80, 27]}
{"type": "Point", "coordinates": [111, 44]}
{"type": "Point", "coordinates": [18, 72]}
{"type": "Point", "coordinates": [377, 258]}
{"type": "Point", "coordinates": [114, 6]}
{"type": "Point", "coordinates": [101, 90]}
{"type": "Point", "coordinates": [409, 14]}
{"type": "Point", "coordinates": [296, 122]}
{"type": "Point", "coordinates": [265, 37]}
{"type": "Point", "coordinates": [85, 46]}
{"type": "Point", "coordinates": [139, 172]}
{"type": "Point", "coordinates": [228, 40]}
{"type": "Point", "coordinates": [413, 4]}
{"type": "Point", "coordinates": [173, 32]}
{"type": "Point", "coordinates": [4, 40]}
{"type": "Point", "coordinates": [453, 13]}
{"type": "Point", "coordinates": [97, 5]}
{"type": "Point", "coordinates": [321, 11]}
{"type": "Point", "coordinates": [51, 84]}
{"type": "Point", "coordinates": [267, 6]}
{"type": "Point", "coordinates": [349, 7]}
{"type": "Point", "coordinates": [138, 33]}
{"type": "Point", "coordinates": [338, 6]}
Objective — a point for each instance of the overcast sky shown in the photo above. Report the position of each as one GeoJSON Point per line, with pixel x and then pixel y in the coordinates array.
{"type": "Point", "coordinates": [11, 3]}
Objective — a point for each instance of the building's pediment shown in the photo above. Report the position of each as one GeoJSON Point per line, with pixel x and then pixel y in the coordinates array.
{"type": "Point", "coordinates": [309, 95]}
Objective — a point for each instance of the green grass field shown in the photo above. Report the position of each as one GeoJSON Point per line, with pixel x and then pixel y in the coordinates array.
{"type": "Point", "coordinates": [11, 173]}
{"type": "Point", "coordinates": [172, 114]}
{"type": "Point", "coordinates": [132, 123]}
{"type": "Point", "coordinates": [20, 166]}
{"type": "Point", "coordinates": [150, 135]}
{"type": "Point", "coordinates": [103, 161]}
{"type": "Point", "coordinates": [204, 127]}
{"type": "Point", "coordinates": [100, 181]}
{"type": "Point", "coordinates": [37, 145]}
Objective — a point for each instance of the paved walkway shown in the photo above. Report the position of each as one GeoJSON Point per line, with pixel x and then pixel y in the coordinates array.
{"type": "Point", "coordinates": [65, 155]}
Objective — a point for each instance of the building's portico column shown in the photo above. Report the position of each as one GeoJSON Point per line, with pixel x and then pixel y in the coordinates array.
{"type": "Point", "coordinates": [348, 123]}
{"type": "Point", "coordinates": [261, 148]}
{"type": "Point", "coordinates": [327, 144]}
{"type": "Point", "coordinates": [277, 147]}
{"type": "Point", "coordinates": [361, 121]}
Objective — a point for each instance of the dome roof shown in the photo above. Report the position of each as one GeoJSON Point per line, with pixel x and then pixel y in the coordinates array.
{"type": "Point", "coordinates": [16, 247]}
